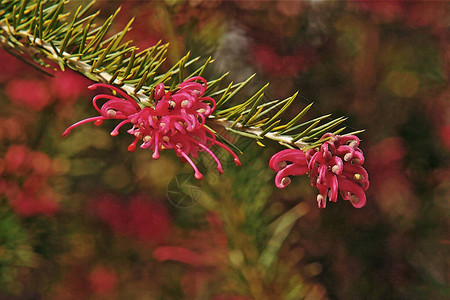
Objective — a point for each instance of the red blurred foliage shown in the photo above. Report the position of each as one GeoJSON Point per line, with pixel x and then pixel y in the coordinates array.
{"type": "Point", "coordinates": [13, 127]}
{"type": "Point", "coordinates": [203, 249]}
{"type": "Point", "coordinates": [11, 67]}
{"type": "Point", "coordinates": [387, 154]}
{"type": "Point", "coordinates": [29, 93]}
{"type": "Point", "coordinates": [140, 218]}
{"type": "Point", "coordinates": [445, 136]}
{"type": "Point", "coordinates": [83, 282]}
{"type": "Point", "coordinates": [206, 251]}
{"type": "Point", "coordinates": [102, 280]}
{"type": "Point", "coordinates": [25, 181]}
{"type": "Point", "coordinates": [146, 30]}
{"type": "Point", "coordinates": [230, 297]}
{"type": "Point", "coordinates": [390, 184]}
{"type": "Point", "coordinates": [26, 172]}
{"type": "Point", "coordinates": [68, 86]}
{"type": "Point", "coordinates": [30, 89]}
{"type": "Point", "coordinates": [383, 10]}
{"type": "Point", "coordinates": [412, 13]}
{"type": "Point", "coordinates": [385, 160]}
{"type": "Point", "coordinates": [281, 65]}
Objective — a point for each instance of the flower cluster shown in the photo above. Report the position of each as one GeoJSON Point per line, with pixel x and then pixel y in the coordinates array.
{"type": "Point", "coordinates": [335, 166]}
{"type": "Point", "coordinates": [177, 121]}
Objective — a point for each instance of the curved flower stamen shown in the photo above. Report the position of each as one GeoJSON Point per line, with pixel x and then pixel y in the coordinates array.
{"type": "Point", "coordinates": [116, 129]}
{"type": "Point", "coordinates": [115, 89]}
{"type": "Point", "coordinates": [219, 165]}
{"type": "Point", "coordinates": [69, 129]}
{"type": "Point", "coordinates": [197, 173]}
{"type": "Point", "coordinates": [237, 162]}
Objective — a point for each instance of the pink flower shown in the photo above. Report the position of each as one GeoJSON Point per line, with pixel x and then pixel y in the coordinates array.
{"type": "Point", "coordinates": [175, 122]}
{"type": "Point", "coordinates": [335, 167]}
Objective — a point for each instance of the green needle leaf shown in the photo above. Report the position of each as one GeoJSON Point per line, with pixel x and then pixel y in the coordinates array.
{"type": "Point", "coordinates": [240, 86]}
{"type": "Point", "coordinates": [305, 132]}
{"type": "Point", "coordinates": [296, 118]}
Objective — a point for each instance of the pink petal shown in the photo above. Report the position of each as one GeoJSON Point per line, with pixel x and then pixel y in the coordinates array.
{"type": "Point", "coordinates": [295, 156]}
{"type": "Point", "coordinates": [332, 182]}
{"type": "Point", "coordinates": [358, 157]}
{"type": "Point", "coordinates": [292, 169]}
{"type": "Point", "coordinates": [316, 158]}
{"type": "Point", "coordinates": [346, 152]}
{"type": "Point", "coordinates": [353, 139]}
{"type": "Point", "coordinates": [336, 161]}
{"type": "Point", "coordinates": [346, 185]}
{"type": "Point", "coordinates": [350, 171]}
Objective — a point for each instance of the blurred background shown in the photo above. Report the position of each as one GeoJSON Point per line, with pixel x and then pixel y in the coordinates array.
{"type": "Point", "coordinates": [82, 218]}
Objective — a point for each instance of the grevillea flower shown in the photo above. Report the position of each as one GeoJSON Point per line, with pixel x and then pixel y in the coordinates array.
{"type": "Point", "coordinates": [175, 122]}
{"type": "Point", "coordinates": [335, 167]}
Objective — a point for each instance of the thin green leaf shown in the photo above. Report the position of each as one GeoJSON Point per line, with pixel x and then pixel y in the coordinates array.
{"type": "Point", "coordinates": [101, 33]}
{"type": "Point", "coordinates": [40, 22]}
{"type": "Point", "coordinates": [355, 132]}
{"type": "Point", "coordinates": [272, 105]}
{"type": "Point", "coordinates": [252, 111]}
{"type": "Point", "coordinates": [236, 121]}
{"type": "Point", "coordinates": [55, 16]}
{"type": "Point", "coordinates": [87, 7]}
{"type": "Point", "coordinates": [124, 32]}
{"type": "Point", "coordinates": [258, 96]}
{"type": "Point", "coordinates": [305, 132]}
{"type": "Point", "coordinates": [269, 128]}
{"type": "Point", "coordinates": [35, 17]}
{"type": "Point", "coordinates": [243, 133]}
{"type": "Point", "coordinates": [294, 128]}
{"type": "Point", "coordinates": [86, 32]}
{"type": "Point", "coordinates": [255, 116]}
{"type": "Point", "coordinates": [325, 128]}
{"type": "Point", "coordinates": [141, 82]}
{"type": "Point", "coordinates": [235, 91]}
{"type": "Point", "coordinates": [87, 19]}
{"type": "Point", "coordinates": [339, 130]}
{"type": "Point", "coordinates": [130, 64]}
{"type": "Point", "coordinates": [288, 103]}
{"type": "Point", "coordinates": [65, 41]}
{"type": "Point", "coordinates": [113, 78]}
{"type": "Point", "coordinates": [296, 118]}
{"type": "Point", "coordinates": [14, 19]}
{"type": "Point", "coordinates": [103, 55]}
